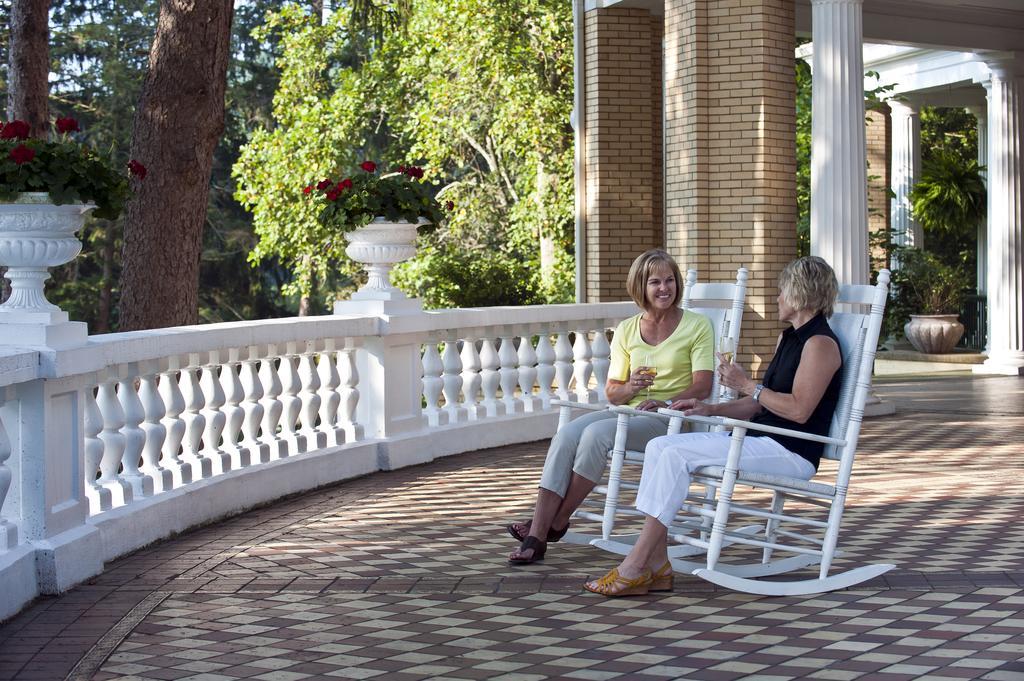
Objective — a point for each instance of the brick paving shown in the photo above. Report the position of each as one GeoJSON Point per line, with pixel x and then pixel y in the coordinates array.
{"type": "Point", "coordinates": [402, 575]}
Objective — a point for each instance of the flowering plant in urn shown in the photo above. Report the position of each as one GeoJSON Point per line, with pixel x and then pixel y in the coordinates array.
{"type": "Point", "coordinates": [348, 202]}
{"type": "Point", "coordinates": [63, 167]}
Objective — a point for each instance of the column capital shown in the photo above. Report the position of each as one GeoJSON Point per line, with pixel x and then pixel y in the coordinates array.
{"type": "Point", "coordinates": [903, 107]}
{"type": "Point", "coordinates": [1003, 65]}
{"type": "Point", "coordinates": [815, 3]}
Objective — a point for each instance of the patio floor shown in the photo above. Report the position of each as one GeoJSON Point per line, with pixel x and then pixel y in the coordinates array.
{"type": "Point", "coordinates": [402, 575]}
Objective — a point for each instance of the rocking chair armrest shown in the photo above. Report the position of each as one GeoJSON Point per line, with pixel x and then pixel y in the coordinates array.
{"type": "Point", "coordinates": [623, 409]}
{"type": "Point", "coordinates": [800, 435]}
{"type": "Point", "coordinates": [738, 423]}
{"type": "Point", "coordinates": [579, 405]}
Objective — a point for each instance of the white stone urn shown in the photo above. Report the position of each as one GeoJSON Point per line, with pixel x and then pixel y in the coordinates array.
{"type": "Point", "coordinates": [379, 246]}
{"type": "Point", "coordinates": [933, 334]}
{"type": "Point", "coordinates": [36, 235]}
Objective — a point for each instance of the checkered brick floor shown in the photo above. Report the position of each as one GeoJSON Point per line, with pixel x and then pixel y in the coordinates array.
{"type": "Point", "coordinates": [403, 575]}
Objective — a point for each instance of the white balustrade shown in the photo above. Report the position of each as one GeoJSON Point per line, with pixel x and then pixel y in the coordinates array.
{"type": "Point", "coordinates": [195, 420]}
{"type": "Point", "coordinates": [563, 365]}
{"type": "Point", "coordinates": [169, 388]}
{"type": "Point", "coordinates": [98, 495]}
{"type": "Point", "coordinates": [113, 443]}
{"type": "Point", "coordinates": [601, 351]}
{"type": "Point", "coordinates": [330, 398]}
{"type": "Point", "coordinates": [234, 414]}
{"type": "Point", "coordinates": [252, 407]}
{"type": "Point", "coordinates": [273, 407]}
{"type": "Point", "coordinates": [291, 403]}
{"type": "Point", "coordinates": [134, 438]}
{"type": "Point", "coordinates": [432, 382]}
{"type": "Point", "coordinates": [8, 530]}
{"type": "Point", "coordinates": [154, 431]}
{"type": "Point", "coordinates": [348, 375]}
{"type": "Point", "coordinates": [545, 369]}
{"type": "Point", "coordinates": [527, 359]}
{"type": "Point", "coordinates": [581, 368]}
{"type": "Point", "coordinates": [309, 398]}
{"type": "Point", "coordinates": [215, 419]}
{"type": "Point", "coordinates": [509, 375]}
{"type": "Point", "coordinates": [451, 365]}
{"type": "Point", "coordinates": [471, 379]}
{"type": "Point", "coordinates": [489, 376]}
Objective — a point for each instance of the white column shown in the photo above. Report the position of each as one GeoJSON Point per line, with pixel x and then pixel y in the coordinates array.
{"type": "Point", "coordinates": [980, 114]}
{"type": "Point", "coordinates": [839, 198]}
{"type": "Point", "coordinates": [906, 168]}
{"type": "Point", "coordinates": [1005, 288]}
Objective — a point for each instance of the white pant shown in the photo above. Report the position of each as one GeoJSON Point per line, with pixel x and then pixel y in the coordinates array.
{"type": "Point", "coordinates": [669, 461]}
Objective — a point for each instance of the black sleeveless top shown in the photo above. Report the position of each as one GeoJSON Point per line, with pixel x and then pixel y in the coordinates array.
{"type": "Point", "coordinates": [779, 378]}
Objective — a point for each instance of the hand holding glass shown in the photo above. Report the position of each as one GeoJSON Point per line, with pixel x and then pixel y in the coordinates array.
{"type": "Point", "coordinates": [648, 370]}
{"type": "Point", "coordinates": [727, 348]}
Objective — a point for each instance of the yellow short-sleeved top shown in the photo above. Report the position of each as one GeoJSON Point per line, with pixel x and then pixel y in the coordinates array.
{"type": "Point", "coordinates": [690, 348]}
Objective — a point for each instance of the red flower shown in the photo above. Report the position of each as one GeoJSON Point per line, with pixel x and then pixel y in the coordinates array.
{"type": "Point", "coordinates": [401, 169]}
{"type": "Point", "coordinates": [414, 171]}
{"type": "Point", "coordinates": [345, 184]}
{"type": "Point", "coordinates": [307, 189]}
{"type": "Point", "coordinates": [368, 166]}
{"type": "Point", "coordinates": [15, 130]}
{"type": "Point", "coordinates": [323, 184]}
{"type": "Point", "coordinates": [449, 205]}
{"type": "Point", "coordinates": [66, 125]}
{"type": "Point", "coordinates": [332, 195]}
{"type": "Point", "coordinates": [22, 154]}
{"type": "Point", "coordinates": [137, 169]}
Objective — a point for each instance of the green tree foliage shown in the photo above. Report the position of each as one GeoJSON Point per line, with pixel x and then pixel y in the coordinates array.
{"type": "Point", "coordinates": [478, 93]}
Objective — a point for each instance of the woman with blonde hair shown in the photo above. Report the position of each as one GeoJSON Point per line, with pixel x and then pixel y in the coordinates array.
{"type": "Point", "coordinates": [799, 391]}
{"type": "Point", "coordinates": [680, 345]}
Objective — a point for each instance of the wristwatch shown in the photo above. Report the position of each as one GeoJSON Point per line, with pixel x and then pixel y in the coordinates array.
{"type": "Point", "coordinates": [757, 392]}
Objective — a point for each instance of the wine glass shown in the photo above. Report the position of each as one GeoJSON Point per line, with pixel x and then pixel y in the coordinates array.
{"type": "Point", "coordinates": [648, 369]}
{"type": "Point", "coordinates": [727, 348]}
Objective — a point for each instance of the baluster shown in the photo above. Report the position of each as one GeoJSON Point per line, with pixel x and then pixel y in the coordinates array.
{"type": "Point", "coordinates": [213, 401]}
{"type": "Point", "coordinates": [174, 405]}
{"type": "Point", "coordinates": [545, 369]}
{"type": "Point", "coordinates": [8, 530]}
{"type": "Point", "coordinates": [508, 374]}
{"type": "Point", "coordinates": [489, 376]}
{"type": "Point", "coordinates": [563, 367]}
{"type": "Point", "coordinates": [527, 374]}
{"type": "Point", "coordinates": [272, 405]}
{"type": "Point", "coordinates": [451, 366]}
{"type": "Point", "coordinates": [348, 375]}
{"type": "Point", "coordinates": [252, 388]}
{"type": "Point", "coordinates": [581, 368]}
{"type": "Point", "coordinates": [98, 495]}
{"type": "Point", "coordinates": [602, 353]}
{"type": "Point", "coordinates": [310, 399]}
{"type": "Point", "coordinates": [153, 411]}
{"type": "Point", "coordinates": [470, 379]}
{"type": "Point", "coordinates": [330, 398]}
{"type": "Point", "coordinates": [134, 439]}
{"type": "Point", "coordinates": [432, 382]}
{"type": "Point", "coordinates": [290, 401]}
{"type": "Point", "coordinates": [195, 421]}
{"type": "Point", "coordinates": [234, 415]}
{"type": "Point", "coordinates": [113, 444]}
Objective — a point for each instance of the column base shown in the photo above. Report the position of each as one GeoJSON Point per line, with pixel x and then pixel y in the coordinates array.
{"type": "Point", "coordinates": [57, 336]}
{"type": "Point", "coordinates": [378, 303]}
{"type": "Point", "coordinates": [1000, 366]}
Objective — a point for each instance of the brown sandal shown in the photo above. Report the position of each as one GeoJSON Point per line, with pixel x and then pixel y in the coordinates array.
{"type": "Point", "coordinates": [539, 549]}
{"type": "Point", "coordinates": [553, 534]}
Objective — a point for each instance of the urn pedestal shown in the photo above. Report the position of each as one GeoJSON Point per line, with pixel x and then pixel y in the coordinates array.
{"type": "Point", "coordinates": [379, 246]}
{"type": "Point", "coordinates": [36, 235]}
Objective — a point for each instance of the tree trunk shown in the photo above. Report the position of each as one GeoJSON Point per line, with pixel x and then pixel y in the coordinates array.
{"type": "Point", "coordinates": [178, 122]}
{"type": "Point", "coordinates": [29, 62]}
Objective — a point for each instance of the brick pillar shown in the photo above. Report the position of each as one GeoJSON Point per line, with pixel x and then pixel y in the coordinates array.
{"type": "Point", "coordinates": [730, 159]}
{"type": "Point", "coordinates": [623, 155]}
{"type": "Point", "coordinates": [879, 149]}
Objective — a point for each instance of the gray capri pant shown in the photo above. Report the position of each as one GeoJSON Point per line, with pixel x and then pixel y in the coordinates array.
{"type": "Point", "coordinates": [582, 447]}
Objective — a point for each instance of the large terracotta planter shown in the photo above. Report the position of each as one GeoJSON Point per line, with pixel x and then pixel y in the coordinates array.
{"type": "Point", "coordinates": [36, 235]}
{"type": "Point", "coordinates": [379, 246]}
{"type": "Point", "coordinates": [933, 334]}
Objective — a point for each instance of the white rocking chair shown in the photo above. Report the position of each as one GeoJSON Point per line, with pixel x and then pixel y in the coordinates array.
{"type": "Point", "coordinates": [723, 305]}
{"type": "Point", "coordinates": [813, 541]}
